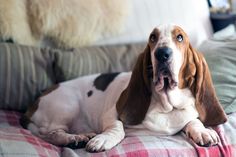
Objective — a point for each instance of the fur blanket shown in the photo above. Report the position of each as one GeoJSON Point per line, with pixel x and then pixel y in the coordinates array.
{"type": "Point", "coordinates": [68, 23]}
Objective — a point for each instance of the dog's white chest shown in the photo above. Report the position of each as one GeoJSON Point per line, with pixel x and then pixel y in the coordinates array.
{"type": "Point", "coordinates": [182, 110]}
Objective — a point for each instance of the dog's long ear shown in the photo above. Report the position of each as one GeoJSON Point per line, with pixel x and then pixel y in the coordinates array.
{"type": "Point", "coordinates": [195, 75]}
{"type": "Point", "coordinates": [134, 101]}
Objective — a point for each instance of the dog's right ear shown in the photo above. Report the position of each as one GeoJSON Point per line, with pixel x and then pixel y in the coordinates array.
{"type": "Point", "coordinates": [195, 75]}
{"type": "Point", "coordinates": [134, 101]}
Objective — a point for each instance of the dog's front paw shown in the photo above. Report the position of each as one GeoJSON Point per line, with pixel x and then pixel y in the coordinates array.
{"type": "Point", "coordinates": [79, 141]}
{"type": "Point", "coordinates": [204, 136]}
{"type": "Point", "coordinates": [101, 143]}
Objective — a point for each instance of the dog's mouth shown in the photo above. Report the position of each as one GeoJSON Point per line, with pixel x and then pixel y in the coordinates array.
{"type": "Point", "coordinates": [164, 79]}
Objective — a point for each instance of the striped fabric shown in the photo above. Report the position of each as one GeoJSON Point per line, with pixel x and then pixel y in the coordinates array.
{"type": "Point", "coordinates": [15, 141]}
{"type": "Point", "coordinates": [89, 60]}
{"type": "Point", "coordinates": [24, 73]}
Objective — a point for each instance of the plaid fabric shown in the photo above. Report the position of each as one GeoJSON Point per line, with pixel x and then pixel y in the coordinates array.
{"type": "Point", "coordinates": [16, 141]}
{"type": "Point", "coordinates": [169, 146]}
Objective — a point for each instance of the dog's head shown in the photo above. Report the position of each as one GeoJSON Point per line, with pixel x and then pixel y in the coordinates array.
{"type": "Point", "coordinates": [167, 45]}
{"type": "Point", "coordinates": [169, 62]}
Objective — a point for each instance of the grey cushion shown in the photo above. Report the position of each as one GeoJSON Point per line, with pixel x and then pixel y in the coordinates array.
{"type": "Point", "coordinates": [89, 60]}
{"type": "Point", "coordinates": [24, 73]}
{"type": "Point", "coordinates": [221, 59]}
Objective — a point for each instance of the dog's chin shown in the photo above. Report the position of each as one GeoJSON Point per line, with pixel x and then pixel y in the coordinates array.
{"type": "Point", "coordinates": [164, 82]}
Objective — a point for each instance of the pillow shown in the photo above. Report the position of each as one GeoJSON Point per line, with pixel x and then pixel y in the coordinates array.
{"type": "Point", "coordinates": [98, 59]}
{"type": "Point", "coordinates": [24, 73]}
{"type": "Point", "coordinates": [222, 63]}
{"type": "Point", "coordinates": [225, 33]}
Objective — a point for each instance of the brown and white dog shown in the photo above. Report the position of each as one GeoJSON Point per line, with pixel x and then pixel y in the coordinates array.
{"type": "Point", "coordinates": [169, 90]}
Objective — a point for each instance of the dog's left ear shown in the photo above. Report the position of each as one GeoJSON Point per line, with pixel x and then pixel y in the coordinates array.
{"type": "Point", "coordinates": [195, 75]}
{"type": "Point", "coordinates": [134, 101]}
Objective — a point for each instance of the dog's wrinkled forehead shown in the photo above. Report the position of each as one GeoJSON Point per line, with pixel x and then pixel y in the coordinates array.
{"type": "Point", "coordinates": [168, 35]}
{"type": "Point", "coordinates": [165, 35]}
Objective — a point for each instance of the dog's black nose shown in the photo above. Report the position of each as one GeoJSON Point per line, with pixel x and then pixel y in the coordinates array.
{"type": "Point", "coordinates": [163, 54]}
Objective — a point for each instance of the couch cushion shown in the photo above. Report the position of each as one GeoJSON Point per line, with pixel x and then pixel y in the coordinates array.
{"type": "Point", "coordinates": [16, 141]}
{"type": "Point", "coordinates": [98, 59]}
{"type": "Point", "coordinates": [221, 58]}
{"type": "Point", "coordinates": [24, 73]}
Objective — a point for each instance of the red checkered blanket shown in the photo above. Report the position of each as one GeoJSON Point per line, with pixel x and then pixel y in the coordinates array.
{"type": "Point", "coordinates": [16, 141]}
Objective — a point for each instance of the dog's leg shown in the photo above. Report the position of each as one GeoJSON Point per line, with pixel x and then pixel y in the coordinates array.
{"type": "Point", "coordinates": [61, 138]}
{"type": "Point", "coordinates": [201, 135]}
{"type": "Point", "coordinates": [110, 137]}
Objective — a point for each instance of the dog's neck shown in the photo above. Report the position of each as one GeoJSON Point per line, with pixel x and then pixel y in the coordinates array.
{"type": "Point", "coordinates": [160, 99]}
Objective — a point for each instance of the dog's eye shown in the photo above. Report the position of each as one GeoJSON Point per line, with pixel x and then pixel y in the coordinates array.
{"type": "Point", "coordinates": [153, 38]}
{"type": "Point", "coordinates": [180, 38]}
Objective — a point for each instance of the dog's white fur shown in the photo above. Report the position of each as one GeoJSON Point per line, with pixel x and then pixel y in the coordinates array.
{"type": "Point", "coordinates": [68, 111]}
{"type": "Point", "coordinates": [69, 23]}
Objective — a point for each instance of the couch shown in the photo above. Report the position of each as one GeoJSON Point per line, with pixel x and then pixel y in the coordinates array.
{"type": "Point", "coordinates": [25, 72]}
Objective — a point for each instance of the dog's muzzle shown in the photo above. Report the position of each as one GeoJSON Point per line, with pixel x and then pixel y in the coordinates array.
{"type": "Point", "coordinates": [164, 75]}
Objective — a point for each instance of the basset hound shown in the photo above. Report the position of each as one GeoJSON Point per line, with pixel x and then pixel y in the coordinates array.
{"type": "Point", "coordinates": [169, 90]}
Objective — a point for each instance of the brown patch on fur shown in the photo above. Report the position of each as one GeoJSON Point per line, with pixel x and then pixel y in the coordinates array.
{"type": "Point", "coordinates": [180, 45]}
{"type": "Point", "coordinates": [152, 45]}
{"type": "Point", "coordinates": [195, 75]}
{"type": "Point", "coordinates": [152, 48]}
{"type": "Point", "coordinates": [25, 119]}
{"type": "Point", "coordinates": [49, 90]}
{"type": "Point", "coordinates": [134, 101]}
